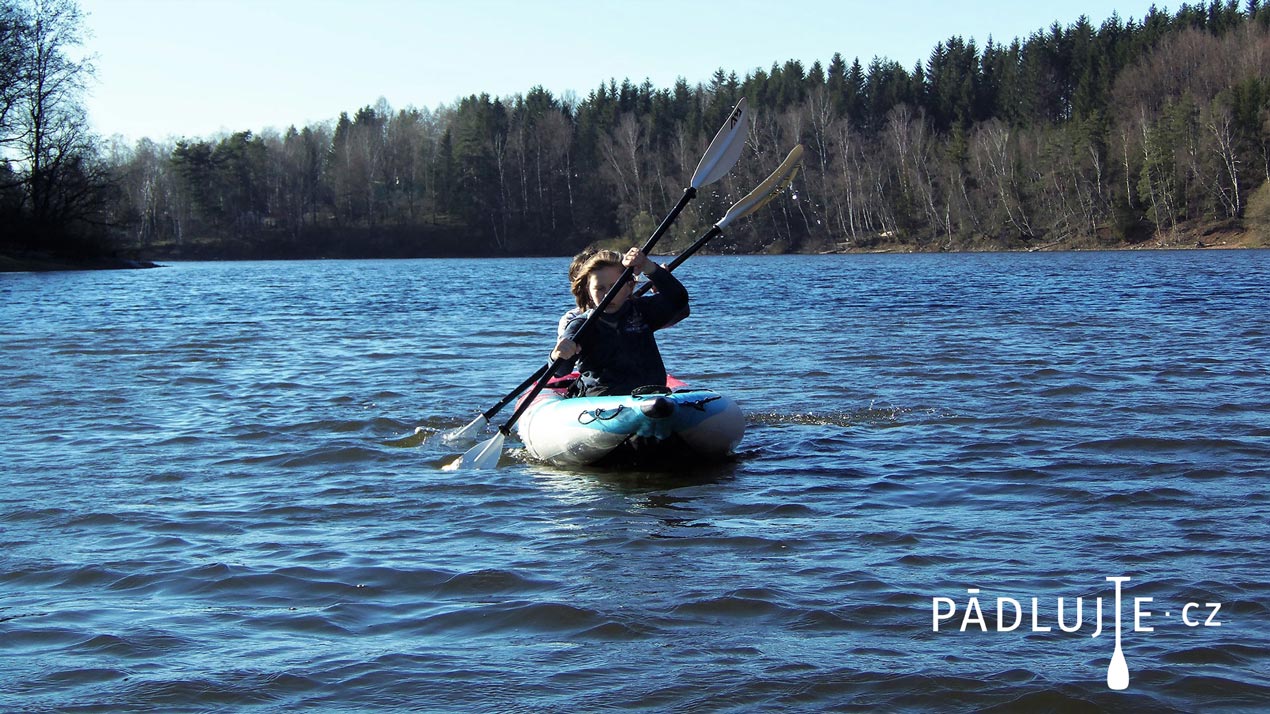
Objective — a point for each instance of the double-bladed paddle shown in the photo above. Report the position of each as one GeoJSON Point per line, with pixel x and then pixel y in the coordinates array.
{"type": "Point", "coordinates": [486, 454]}
{"type": "Point", "coordinates": [722, 154]}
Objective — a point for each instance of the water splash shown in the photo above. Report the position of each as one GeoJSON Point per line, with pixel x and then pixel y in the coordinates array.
{"type": "Point", "coordinates": [872, 415]}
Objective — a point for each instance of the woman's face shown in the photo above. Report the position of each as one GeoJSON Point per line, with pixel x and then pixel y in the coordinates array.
{"type": "Point", "coordinates": [599, 283]}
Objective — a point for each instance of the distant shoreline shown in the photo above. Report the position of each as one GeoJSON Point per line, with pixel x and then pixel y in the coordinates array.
{"type": "Point", "coordinates": [1193, 236]}
{"type": "Point", "coordinates": [39, 262]}
{"type": "Point", "coordinates": [28, 261]}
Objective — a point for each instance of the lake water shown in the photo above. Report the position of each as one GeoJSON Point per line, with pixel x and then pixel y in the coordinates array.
{"type": "Point", "coordinates": [214, 496]}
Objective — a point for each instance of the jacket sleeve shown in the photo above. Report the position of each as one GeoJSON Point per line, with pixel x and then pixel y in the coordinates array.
{"type": "Point", "coordinates": [669, 304]}
{"type": "Point", "coordinates": [569, 331]}
{"type": "Point", "coordinates": [565, 319]}
{"type": "Point", "coordinates": [677, 317]}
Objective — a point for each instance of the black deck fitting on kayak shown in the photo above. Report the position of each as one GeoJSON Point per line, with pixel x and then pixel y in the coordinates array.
{"type": "Point", "coordinates": [700, 404]}
{"type": "Point", "coordinates": [658, 408]}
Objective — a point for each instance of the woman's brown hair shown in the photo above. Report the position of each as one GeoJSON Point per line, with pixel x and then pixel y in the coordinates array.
{"type": "Point", "coordinates": [578, 278]}
{"type": "Point", "coordinates": [578, 261]}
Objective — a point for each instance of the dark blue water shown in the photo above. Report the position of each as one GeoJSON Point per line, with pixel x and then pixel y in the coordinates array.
{"type": "Point", "coordinates": [213, 494]}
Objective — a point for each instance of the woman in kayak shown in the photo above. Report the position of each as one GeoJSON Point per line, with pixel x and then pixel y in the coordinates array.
{"type": "Point", "coordinates": [619, 354]}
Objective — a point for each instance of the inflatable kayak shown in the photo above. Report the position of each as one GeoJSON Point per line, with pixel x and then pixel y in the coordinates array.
{"type": "Point", "coordinates": [668, 427]}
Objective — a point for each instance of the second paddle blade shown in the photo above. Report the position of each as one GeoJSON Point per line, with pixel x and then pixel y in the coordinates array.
{"type": "Point", "coordinates": [468, 432]}
{"type": "Point", "coordinates": [484, 455]}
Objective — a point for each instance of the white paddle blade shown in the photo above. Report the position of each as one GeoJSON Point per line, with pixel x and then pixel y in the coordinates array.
{"type": "Point", "coordinates": [725, 148]}
{"type": "Point", "coordinates": [468, 432]}
{"type": "Point", "coordinates": [482, 456]}
{"type": "Point", "coordinates": [777, 181]}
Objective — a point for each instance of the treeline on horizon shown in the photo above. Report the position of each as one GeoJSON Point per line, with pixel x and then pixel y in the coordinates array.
{"type": "Point", "coordinates": [1080, 134]}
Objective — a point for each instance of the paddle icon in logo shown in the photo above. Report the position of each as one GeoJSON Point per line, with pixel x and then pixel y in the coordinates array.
{"type": "Point", "coordinates": [1118, 670]}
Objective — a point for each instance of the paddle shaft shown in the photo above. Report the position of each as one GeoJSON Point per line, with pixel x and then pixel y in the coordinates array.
{"type": "Point", "coordinates": [489, 413]}
{"type": "Point", "coordinates": [689, 194]}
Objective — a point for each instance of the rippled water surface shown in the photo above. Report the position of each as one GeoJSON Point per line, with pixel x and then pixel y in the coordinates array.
{"type": "Point", "coordinates": [222, 489]}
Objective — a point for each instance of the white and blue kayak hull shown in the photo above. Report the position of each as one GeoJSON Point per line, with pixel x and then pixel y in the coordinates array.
{"type": "Point", "coordinates": [694, 424]}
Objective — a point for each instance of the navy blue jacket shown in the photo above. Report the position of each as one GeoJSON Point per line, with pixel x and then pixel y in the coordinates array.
{"type": "Point", "coordinates": [619, 352]}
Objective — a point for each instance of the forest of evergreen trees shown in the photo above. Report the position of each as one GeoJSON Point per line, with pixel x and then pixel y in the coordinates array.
{"type": "Point", "coordinates": [1078, 136]}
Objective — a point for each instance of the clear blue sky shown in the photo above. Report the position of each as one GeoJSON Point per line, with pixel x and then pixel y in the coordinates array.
{"type": "Point", "coordinates": [170, 68]}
